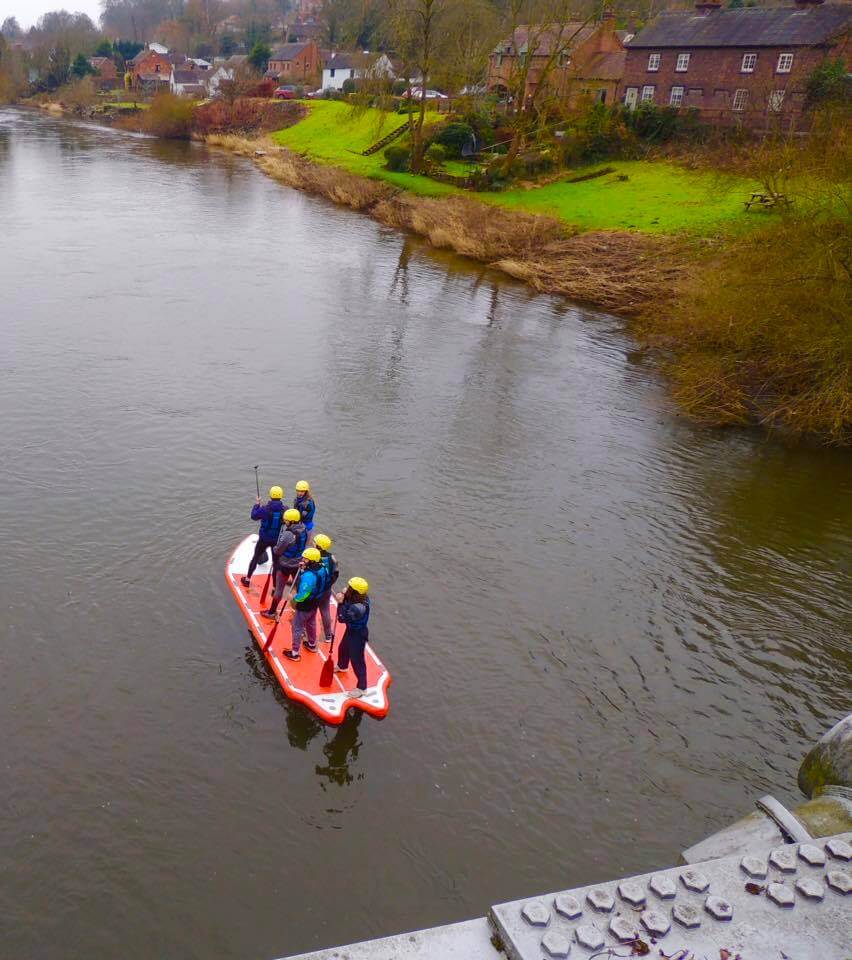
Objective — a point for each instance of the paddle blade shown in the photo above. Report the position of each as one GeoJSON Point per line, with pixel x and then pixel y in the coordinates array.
{"type": "Point", "coordinates": [271, 636]}
{"type": "Point", "coordinates": [327, 674]}
{"type": "Point", "coordinates": [266, 587]}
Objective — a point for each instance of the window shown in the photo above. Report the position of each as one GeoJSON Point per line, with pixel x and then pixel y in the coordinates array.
{"type": "Point", "coordinates": [600, 96]}
{"type": "Point", "coordinates": [776, 98]}
{"type": "Point", "coordinates": [682, 64]}
{"type": "Point", "coordinates": [785, 63]}
{"type": "Point", "coordinates": [331, 72]}
{"type": "Point", "coordinates": [648, 94]}
{"type": "Point", "coordinates": [676, 97]}
{"type": "Point", "coordinates": [654, 62]}
{"type": "Point", "coordinates": [740, 100]}
{"type": "Point", "coordinates": [631, 95]}
{"type": "Point", "coordinates": [749, 60]}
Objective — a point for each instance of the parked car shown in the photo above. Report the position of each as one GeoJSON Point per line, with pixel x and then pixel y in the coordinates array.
{"type": "Point", "coordinates": [418, 93]}
{"type": "Point", "coordinates": [285, 93]}
{"type": "Point", "coordinates": [315, 94]}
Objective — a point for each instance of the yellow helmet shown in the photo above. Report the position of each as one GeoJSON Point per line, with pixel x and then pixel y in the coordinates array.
{"type": "Point", "coordinates": [322, 541]}
{"type": "Point", "coordinates": [292, 515]}
{"type": "Point", "coordinates": [303, 486]}
{"type": "Point", "coordinates": [312, 555]}
{"type": "Point", "coordinates": [359, 585]}
{"type": "Point", "coordinates": [276, 492]}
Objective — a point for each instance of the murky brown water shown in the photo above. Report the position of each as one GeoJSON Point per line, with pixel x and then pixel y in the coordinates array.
{"type": "Point", "coordinates": [609, 630]}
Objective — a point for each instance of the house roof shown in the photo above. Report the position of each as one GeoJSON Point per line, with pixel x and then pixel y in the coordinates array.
{"type": "Point", "coordinates": [98, 62]}
{"type": "Point", "coordinates": [186, 76]}
{"type": "Point", "coordinates": [289, 51]}
{"type": "Point", "coordinates": [605, 66]}
{"type": "Point", "coordinates": [341, 61]}
{"type": "Point", "coordinates": [547, 38]}
{"type": "Point", "coordinates": [746, 27]}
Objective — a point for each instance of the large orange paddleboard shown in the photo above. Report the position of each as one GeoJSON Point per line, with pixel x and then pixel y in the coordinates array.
{"type": "Point", "coordinates": [300, 679]}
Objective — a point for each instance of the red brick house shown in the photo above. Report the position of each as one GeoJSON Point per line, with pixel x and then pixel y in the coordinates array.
{"type": "Point", "coordinates": [589, 60]}
{"type": "Point", "coordinates": [106, 75]}
{"type": "Point", "coordinates": [294, 63]}
{"type": "Point", "coordinates": [147, 63]}
{"type": "Point", "coordinates": [747, 65]}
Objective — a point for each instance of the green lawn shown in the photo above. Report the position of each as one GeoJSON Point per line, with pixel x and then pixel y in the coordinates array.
{"type": "Point", "coordinates": [127, 105]}
{"type": "Point", "coordinates": [655, 198]}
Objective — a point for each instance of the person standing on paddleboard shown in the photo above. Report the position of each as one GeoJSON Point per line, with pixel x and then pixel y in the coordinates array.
{"type": "Point", "coordinates": [323, 544]}
{"type": "Point", "coordinates": [305, 504]}
{"type": "Point", "coordinates": [287, 557]}
{"type": "Point", "coordinates": [271, 517]}
{"type": "Point", "coordinates": [309, 588]}
{"type": "Point", "coordinates": [353, 609]}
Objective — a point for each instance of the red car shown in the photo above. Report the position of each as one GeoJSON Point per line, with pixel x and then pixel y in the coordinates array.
{"type": "Point", "coordinates": [285, 93]}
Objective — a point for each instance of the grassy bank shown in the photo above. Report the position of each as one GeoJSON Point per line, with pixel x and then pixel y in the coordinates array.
{"type": "Point", "coordinates": [637, 195]}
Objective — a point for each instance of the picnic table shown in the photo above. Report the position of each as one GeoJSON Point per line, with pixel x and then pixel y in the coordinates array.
{"type": "Point", "coordinates": [767, 200]}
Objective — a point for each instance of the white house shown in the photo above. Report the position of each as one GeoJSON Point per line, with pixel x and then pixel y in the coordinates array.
{"type": "Point", "coordinates": [352, 66]}
{"type": "Point", "coordinates": [223, 69]}
{"type": "Point", "coordinates": [188, 83]}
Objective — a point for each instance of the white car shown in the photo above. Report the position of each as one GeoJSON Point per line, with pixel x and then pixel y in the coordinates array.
{"type": "Point", "coordinates": [418, 93]}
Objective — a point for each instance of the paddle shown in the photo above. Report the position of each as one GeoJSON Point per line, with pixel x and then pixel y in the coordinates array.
{"type": "Point", "coordinates": [327, 672]}
{"type": "Point", "coordinates": [257, 479]}
{"type": "Point", "coordinates": [287, 599]}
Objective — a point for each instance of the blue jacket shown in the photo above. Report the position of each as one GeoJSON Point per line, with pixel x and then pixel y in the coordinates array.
{"type": "Point", "coordinates": [306, 506]}
{"type": "Point", "coordinates": [312, 585]}
{"type": "Point", "coordinates": [330, 566]}
{"type": "Point", "coordinates": [355, 615]}
{"type": "Point", "coordinates": [271, 518]}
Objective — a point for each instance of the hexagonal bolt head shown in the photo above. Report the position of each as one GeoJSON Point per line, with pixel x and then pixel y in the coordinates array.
{"type": "Point", "coordinates": [623, 929]}
{"type": "Point", "coordinates": [780, 894]}
{"type": "Point", "coordinates": [556, 944]}
{"type": "Point", "coordinates": [567, 906]}
{"type": "Point", "coordinates": [663, 887]}
{"type": "Point", "coordinates": [588, 936]}
{"type": "Point", "coordinates": [754, 866]}
{"type": "Point", "coordinates": [784, 859]}
{"type": "Point", "coordinates": [839, 849]}
{"type": "Point", "coordinates": [656, 923]}
{"type": "Point", "coordinates": [686, 915]}
{"type": "Point", "coordinates": [632, 892]}
{"type": "Point", "coordinates": [812, 855]}
{"type": "Point", "coordinates": [718, 908]}
{"type": "Point", "coordinates": [811, 888]}
{"type": "Point", "coordinates": [839, 881]}
{"type": "Point", "coordinates": [536, 913]}
{"type": "Point", "coordinates": [694, 880]}
{"type": "Point", "coordinates": [602, 900]}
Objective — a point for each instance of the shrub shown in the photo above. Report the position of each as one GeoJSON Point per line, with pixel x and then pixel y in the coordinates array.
{"type": "Point", "coordinates": [827, 82]}
{"type": "Point", "coordinates": [245, 115]}
{"type": "Point", "coordinates": [397, 158]}
{"type": "Point", "coordinates": [349, 85]}
{"type": "Point", "coordinates": [435, 154]}
{"type": "Point", "coordinates": [169, 116]}
{"type": "Point", "coordinates": [454, 137]}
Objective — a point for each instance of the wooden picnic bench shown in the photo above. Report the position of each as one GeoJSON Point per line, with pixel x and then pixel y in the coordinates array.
{"type": "Point", "coordinates": [767, 200]}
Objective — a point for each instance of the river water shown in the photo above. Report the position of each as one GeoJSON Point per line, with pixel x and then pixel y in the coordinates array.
{"type": "Point", "coordinates": [609, 629]}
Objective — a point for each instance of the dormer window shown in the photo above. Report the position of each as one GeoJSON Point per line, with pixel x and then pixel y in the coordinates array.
{"type": "Point", "coordinates": [653, 62]}
{"type": "Point", "coordinates": [682, 64]}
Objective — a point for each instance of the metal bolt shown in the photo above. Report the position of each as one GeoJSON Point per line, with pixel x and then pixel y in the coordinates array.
{"type": "Point", "coordinates": [812, 855]}
{"type": "Point", "coordinates": [655, 923]}
{"type": "Point", "coordinates": [556, 944]}
{"type": "Point", "coordinates": [754, 866]}
{"type": "Point", "coordinates": [780, 894]}
{"type": "Point", "coordinates": [663, 887]}
{"type": "Point", "coordinates": [536, 913]}
{"type": "Point", "coordinates": [839, 849]}
{"type": "Point", "coordinates": [718, 908]}
{"type": "Point", "coordinates": [601, 900]}
{"type": "Point", "coordinates": [623, 929]}
{"type": "Point", "coordinates": [686, 915]}
{"type": "Point", "coordinates": [783, 859]}
{"type": "Point", "coordinates": [588, 936]}
{"type": "Point", "coordinates": [632, 892]}
{"type": "Point", "coordinates": [694, 880]}
{"type": "Point", "coordinates": [567, 906]}
{"type": "Point", "coordinates": [839, 881]}
{"type": "Point", "coordinates": [811, 888]}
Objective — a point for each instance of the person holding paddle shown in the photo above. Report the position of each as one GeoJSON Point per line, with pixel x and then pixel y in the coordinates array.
{"type": "Point", "coordinates": [286, 557]}
{"type": "Point", "coordinates": [310, 586]}
{"type": "Point", "coordinates": [353, 609]}
{"type": "Point", "coordinates": [305, 504]}
{"type": "Point", "coordinates": [323, 544]}
{"type": "Point", "coordinates": [271, 516]}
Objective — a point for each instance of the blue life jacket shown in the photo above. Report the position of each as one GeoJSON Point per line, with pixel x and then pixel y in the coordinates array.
{"type": "Point", "coordinates": [295, 549]}
{"type": "Point", "coordinates": [270, 526]}
{"type": "Point", "coordinates": [311, 602]}
{"type": "Point", "coordinates": [353, 623]}
{"type": "Point", "coordinates": [306, 506]}
{"type": "Point", "coordinates": [330, 566]}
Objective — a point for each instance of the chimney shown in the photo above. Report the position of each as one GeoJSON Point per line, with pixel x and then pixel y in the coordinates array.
{"type": "Point", "coordinates": [706, 7]}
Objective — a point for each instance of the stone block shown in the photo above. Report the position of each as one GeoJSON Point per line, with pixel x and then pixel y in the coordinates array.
{"type": "Point", "coordinates": [839, 881]}
{"type": "Point", "coordinates": [754, 867]}
{"type": "Point", "coordinates": [694, 880]}
{"type": "Point", "coordinates": [811, 855]}
{"type": "Point", "coordinates": [811, 888]}
{"type": "Point", "coordinates": [718, 908]}
{"type": "Point", "coordinates": [588, 936]}
{"type": "Point", "coordinates": [780, 894]}
{"type": "Point", "coordinates": [602, 900]}
{"type": "Point", "coordinates": [655, 922]}
{"type": "Point", "coordinates": [686, 915]}
{"type": "Point", "coordinates": [783, 859]}
{"type": "Point", "coordinates": [556, 944]}
{"type": "Point", "coordinates": [632, 892]}
{"type": "Point", "coordinates": [663, 887]}
{"type": "Point", "coordinates": [567, 905]}
{"type": "Point", "coordinates": [536, 913]}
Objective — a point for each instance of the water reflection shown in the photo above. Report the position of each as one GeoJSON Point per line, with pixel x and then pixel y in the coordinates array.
{"type": "Point", "coordinates": [341, 751]}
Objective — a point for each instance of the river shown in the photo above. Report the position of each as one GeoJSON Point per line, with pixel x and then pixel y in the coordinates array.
{"type": "Point", "coordinates": [609, 629]}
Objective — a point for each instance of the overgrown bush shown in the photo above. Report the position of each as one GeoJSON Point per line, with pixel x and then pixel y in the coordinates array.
{"type": "Point", "coordinates": [435, 154]}
{"type": "Point", "coordinates": [168, 116]}
{"type": "Point", "coordinates": [828, 82]}
{"type": "Point", "coordinates": [349, 85]}
{"type": "Point", "coordinates": [245, 116]}
{"type": "Point", "coordinates": [454, 137]}
{"type": "Point", "coordinates": [397, 158]}
{"type": "Point", "coordinates": [655, 124]}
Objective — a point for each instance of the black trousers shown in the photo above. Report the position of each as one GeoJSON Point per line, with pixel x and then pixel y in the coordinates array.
{"type": "Point", "coordinates": [260, 549]}
{"type": "Point", "coordinates": [352, 648]}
